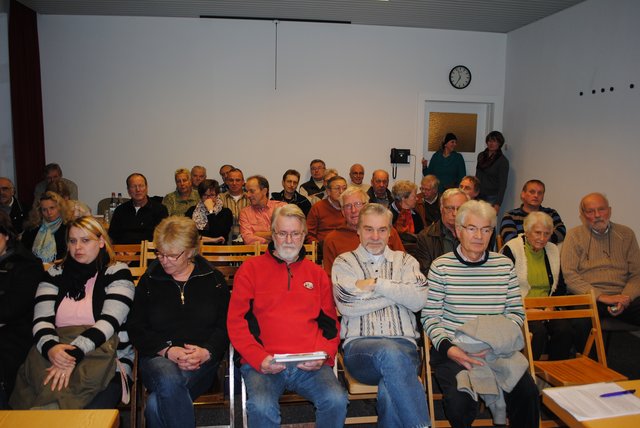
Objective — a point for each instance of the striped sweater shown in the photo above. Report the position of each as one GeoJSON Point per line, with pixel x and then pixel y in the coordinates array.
{"type": "Point", "coordinates": [387, 311]}
{"type": "Point", "coordinates": [112, 299]}
{"type": "Point", "coordinates": [460, 290]}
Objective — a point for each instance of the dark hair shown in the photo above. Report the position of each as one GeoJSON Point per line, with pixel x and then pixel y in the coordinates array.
{"type": "Point", "coordinates": [534, 181]}
{"type": "Point", "coordinates": [134, 174]}
{"type": "Point", "coordinates": [234, 169]}
{"type": "Point", "coordinates": [263, 183]}
{"type": "Point", "coordinates": [450, 136]}
{"type": "Point", "coordinates": [290, 172]}
{"type": "Point", "coordinates": [318, 161]}
{"type": "Point", "coordinates": [52, 167]}
{"type": "Point", "coordinates": [208, 184]}
{"type": "Point", "coordinates": [475, 180]}
{"type": "Point", "coordinates": [334, 179]}
{"type": "Point", "coordinates": [6, 228]}
{"type": "Point", "coordinates": [60, 187]}
{"type": "Point", "coordinates": [495, 135]}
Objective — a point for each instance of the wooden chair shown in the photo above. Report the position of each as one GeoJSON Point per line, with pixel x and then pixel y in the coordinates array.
{"type": "Point", "coordinates": [356, 391]}
{"type": "Point", "coordinates": [311, 250]}
{"type": "Point", "coordinates": [582, 369]}
{"type": "Point", "coordinates": [130, 254]}
{"type": "Point", "coordinates": [432, 396]}
{"type": "Point", "coordinates": [227, 258]}
{"type": "Point", "coordinates": [148, 253]}
{"type": "Point", "coordinates": [136, 273]}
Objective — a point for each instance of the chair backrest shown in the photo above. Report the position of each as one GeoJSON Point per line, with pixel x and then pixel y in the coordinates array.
{"type": "Point", "coordinates": [570, 307]}
{"type": "Point", "coordinates": [228, 258]}
{"type": "Point", "coordinates": [129, 253]}
{"type": "Point", "coordinates": [310, 249]}
{"type": "Point", "coordinates": [136, 273]}
{"type": "Point", "coordinates": [148, 253]}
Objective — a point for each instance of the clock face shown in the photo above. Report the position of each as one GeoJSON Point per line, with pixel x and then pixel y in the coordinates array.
{"type": "Point", "coordinates": [459, 77]}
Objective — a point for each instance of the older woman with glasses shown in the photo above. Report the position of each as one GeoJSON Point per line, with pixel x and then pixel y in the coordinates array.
{"type": "Point", "coordinates": [212, 219]}
{"type": "Point", "coordinates": [178, 324]}
{"type": "Point", "coordinates": [537, 264]}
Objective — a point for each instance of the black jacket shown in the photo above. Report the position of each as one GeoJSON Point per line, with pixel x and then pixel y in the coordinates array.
{"type": "Point", "coordinates": [20, 274]}
{"type": "Point", "coordinates": [159, 317]}
{"type": "Point", "coordinates": [131, 227]}
{"type": "Point", "coordinates": [60, 236]}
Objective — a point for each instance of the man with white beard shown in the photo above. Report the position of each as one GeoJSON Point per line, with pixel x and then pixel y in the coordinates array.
{"type": "Point", "coordinates": [282, 304]}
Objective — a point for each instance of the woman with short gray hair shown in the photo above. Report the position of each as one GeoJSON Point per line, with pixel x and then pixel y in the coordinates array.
{"type": "Point", "coordinates": [406, 220]}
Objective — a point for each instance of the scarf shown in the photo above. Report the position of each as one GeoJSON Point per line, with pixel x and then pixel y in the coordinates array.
{"type": "Point", "coordinates": [75, 275]}
{"type": "Point", "coordinates": [485, 160]}
{"type": "Point", "coordinates": [200, 213]}
{"type": "Point", "coordinates": [44, 246]}
{"type": "Point", "coordinates": [404, 223]}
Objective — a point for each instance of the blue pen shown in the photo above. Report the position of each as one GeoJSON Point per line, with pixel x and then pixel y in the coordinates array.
{"type": "Point", "coordinates": [617, 393]}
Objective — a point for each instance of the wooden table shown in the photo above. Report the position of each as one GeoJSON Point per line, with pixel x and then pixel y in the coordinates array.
{"type": "Point", "coordinates": [60, 418]}
{"type": "Point", "coordinates": [629, 421]}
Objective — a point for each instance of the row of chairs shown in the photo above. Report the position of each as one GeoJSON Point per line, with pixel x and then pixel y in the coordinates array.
{"type": "Point", "coordinates": [226, 258]}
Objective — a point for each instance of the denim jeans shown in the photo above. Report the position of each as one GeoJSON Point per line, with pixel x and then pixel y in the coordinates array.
{"type": "Point", "coordinates": [392, 364]}
{"type": "Point", "coordinates": [172, 390]}
{"type": "Point", "coordinates": [321, 387]}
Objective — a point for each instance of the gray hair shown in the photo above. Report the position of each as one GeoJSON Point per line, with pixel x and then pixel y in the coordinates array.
{"type": "Point", "coordinates": [449, 193]}
{"type": "Point", "coordinates": [480, 209]}
{"type": "Point", "coordinates": [402, 189]}
{"type": "Point", "coordinates": [601, 195]}
{"type": "Point", "coordinates": [289, 210]}
{"type": "Point", "coordinates": [354, 190]}
{"type": "Point", "coordinates": [537, 217]}
{"type": "Point", "coordinates": [430, 181]}
{"type": "Point", "coordinates": [375, 209]}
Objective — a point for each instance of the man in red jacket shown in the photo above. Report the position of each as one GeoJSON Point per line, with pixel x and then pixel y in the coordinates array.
{"type": "Point", "coordinates": [282, 303]}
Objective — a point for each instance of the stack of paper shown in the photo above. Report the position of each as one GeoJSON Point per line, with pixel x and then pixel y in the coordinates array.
{"type": "Point", "coordinates": [584, 401]}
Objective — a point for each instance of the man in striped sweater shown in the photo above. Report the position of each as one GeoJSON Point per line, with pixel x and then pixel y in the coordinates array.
{"type": "Point", "coordinates": [464, 284]}
{"type": "Point", "coordinates": [377, 291]}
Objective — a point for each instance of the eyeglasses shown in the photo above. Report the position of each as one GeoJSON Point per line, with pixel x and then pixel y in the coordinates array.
{"type": "Point", "coordinates": [356, 205]}
{"type": "Point", "coordinates": [340, 188]}
{"type": "Point", "coordinates": [168, 257]}
{"type": "Point", "coordinates": [487, 230]}
{"type": "Point", "coordinates": [450, 209]}
{"type": "Point", "coordinates": [6, 189]}
{"type": "Point", "coordinates": [293, 235]}
{"type": "Point", "coordinates": [209, 195]}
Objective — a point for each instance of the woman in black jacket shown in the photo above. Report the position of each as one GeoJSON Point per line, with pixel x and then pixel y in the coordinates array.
{"type": "Point", "coordinates": [46, 231]}
{"type": "Point", "coordinates": [20, 273]}
{"type": "Point", "coordinates": [178, 324]}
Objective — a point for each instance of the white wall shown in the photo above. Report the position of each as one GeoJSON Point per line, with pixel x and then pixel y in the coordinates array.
{"type": "Point", "coordinates": [577, 144]}
{"type": "Point", "coordinates": [153, 94]}
{"type": "Point", "coordinates": [6, 136]}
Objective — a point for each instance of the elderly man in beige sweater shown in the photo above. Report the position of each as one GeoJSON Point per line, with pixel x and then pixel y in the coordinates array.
{"type": "Point", "coordinates": [604, 257]}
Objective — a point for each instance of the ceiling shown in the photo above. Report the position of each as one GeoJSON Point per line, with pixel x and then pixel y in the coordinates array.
{"type": "Point", "coordinates": [497, 16]}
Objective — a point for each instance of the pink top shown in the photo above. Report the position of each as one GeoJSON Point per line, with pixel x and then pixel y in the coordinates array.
{"type": "Point", "coordinates": [254, 220]}
{"type": "Point", "coordinates": [72, 312]}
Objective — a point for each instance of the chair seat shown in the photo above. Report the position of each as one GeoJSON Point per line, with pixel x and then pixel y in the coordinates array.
{"type": "Point", "coordinates": [577, 371]}
{"type": "Point", "coordinates": [355, 387]}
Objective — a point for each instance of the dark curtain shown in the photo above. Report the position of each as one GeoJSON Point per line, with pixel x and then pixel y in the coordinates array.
{"type": "Point", "coordinates": [26, 99]}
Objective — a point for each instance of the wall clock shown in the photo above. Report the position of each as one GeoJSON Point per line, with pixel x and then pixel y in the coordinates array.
{"type": "Point", "coordinates": [459, 77]}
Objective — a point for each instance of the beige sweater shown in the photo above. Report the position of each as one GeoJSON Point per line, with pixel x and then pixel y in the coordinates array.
{"type": "Point", "coordinates": [608, 264]}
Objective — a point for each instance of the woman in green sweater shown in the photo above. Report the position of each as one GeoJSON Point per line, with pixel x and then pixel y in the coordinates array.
{"type": "Point", "coordinates": [446, 164]}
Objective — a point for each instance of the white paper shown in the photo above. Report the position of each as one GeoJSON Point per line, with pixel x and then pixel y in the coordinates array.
{"type": "Point", "coordinates": [291, 358]}
{"type": "Point", "coordinates": [584, 402]}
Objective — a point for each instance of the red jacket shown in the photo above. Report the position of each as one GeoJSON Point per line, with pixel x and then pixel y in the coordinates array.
{"type": "Point", "coordinates": [280, 308]}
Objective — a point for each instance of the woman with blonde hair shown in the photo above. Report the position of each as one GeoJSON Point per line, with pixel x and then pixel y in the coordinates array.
{"type": "Point", "coordinates": [81, 353]}
{"type": "Point", "coordinates": [45, 230]}
{"type": "Point", "coordinates": [178, 324]}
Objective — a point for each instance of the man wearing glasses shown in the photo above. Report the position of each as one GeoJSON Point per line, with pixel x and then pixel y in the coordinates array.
{"type": "Point", "coordinates": [282, 304]}
{"type": "Point", "coordinates": [345, 238]}
{"type": "Point", "coordinates": [463, 285]}
{"type": "Point", "coordinates": [10, 204]}
{"type": "Point", "coordinates": [440, 238]}
{"type": "Point", "coordinates": [135, 220]}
